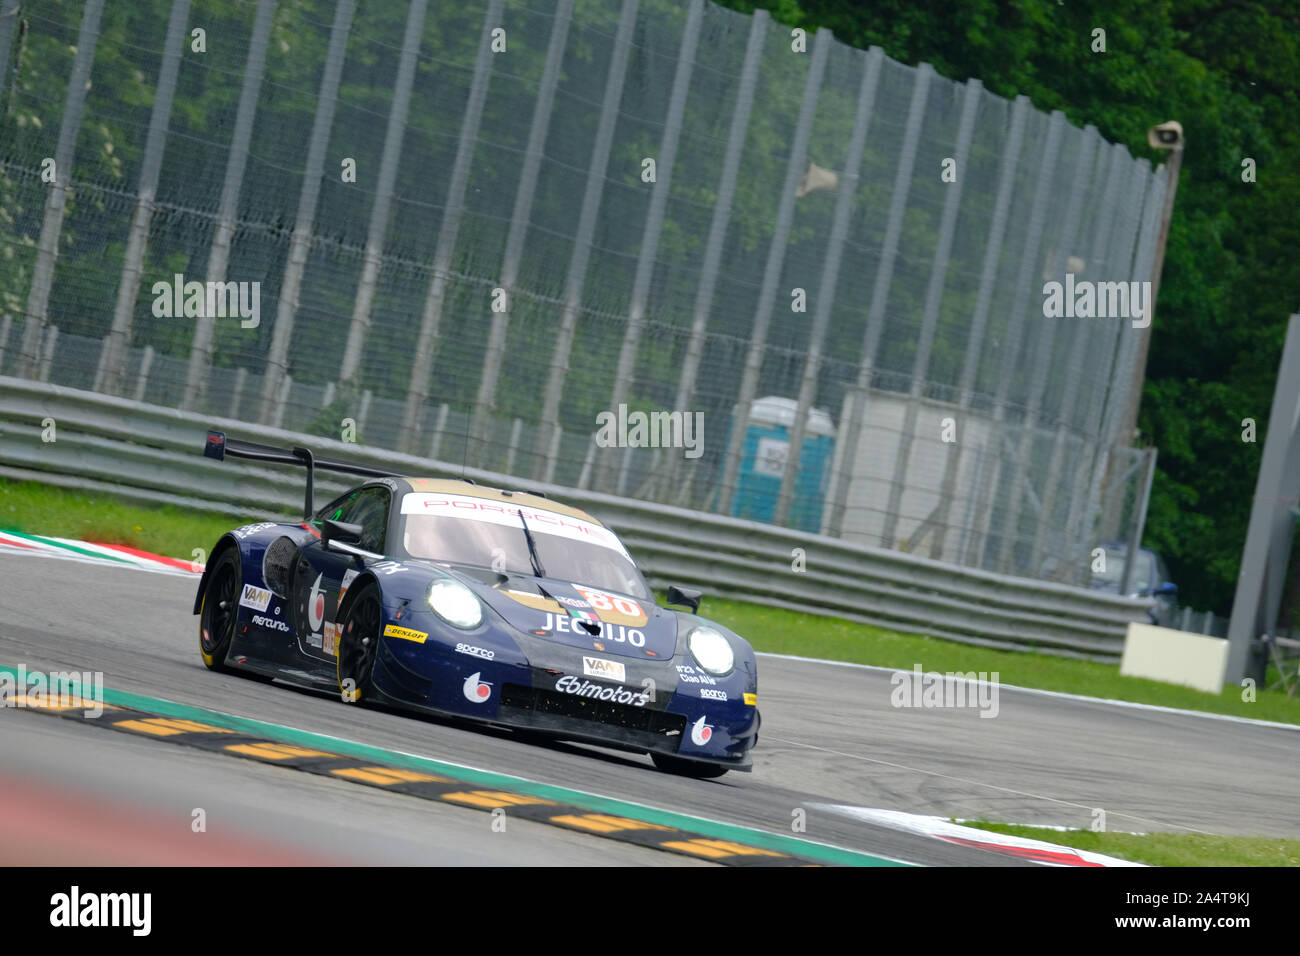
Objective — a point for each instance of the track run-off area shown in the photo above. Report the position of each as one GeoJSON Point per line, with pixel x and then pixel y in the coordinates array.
{"type": "Point", "coordinates": [841, 775]}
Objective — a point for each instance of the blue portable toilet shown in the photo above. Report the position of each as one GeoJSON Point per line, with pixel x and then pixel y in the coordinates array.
{"type": "Point", "coordinates": [763, 455]}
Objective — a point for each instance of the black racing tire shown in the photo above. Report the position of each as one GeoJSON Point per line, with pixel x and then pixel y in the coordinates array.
{"type": "Point", "coordinates": [219, 612]}
{"type": "Point", "coordinates": [359, 645]}
{"type": "Point", "coordinates": [688, 768]}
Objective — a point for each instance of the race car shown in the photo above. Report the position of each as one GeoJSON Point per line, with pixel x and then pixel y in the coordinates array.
{"type": "Point", "coordinates": [444, 596]}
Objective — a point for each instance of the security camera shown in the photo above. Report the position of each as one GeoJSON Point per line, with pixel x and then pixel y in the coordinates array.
{"type": "Point", "coordinates": [1166, 135]}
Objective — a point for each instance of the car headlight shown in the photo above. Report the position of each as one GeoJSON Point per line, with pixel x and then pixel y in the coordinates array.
{"type": "Point", "coordinates": [455, 603]}
{"type": "Point", "coordinates": [712, 651]}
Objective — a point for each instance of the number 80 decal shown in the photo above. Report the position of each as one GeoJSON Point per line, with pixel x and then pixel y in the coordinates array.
{"type": "Point", "coordinates": [613, 608]}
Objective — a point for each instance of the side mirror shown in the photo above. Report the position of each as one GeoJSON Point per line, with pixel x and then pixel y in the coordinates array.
{"type": "Point", "coordinates": [332, 531]}
{"type": "Point", "coordinates": [1168, 587]}
{"type": "Point", "coordinates": [685, 597]}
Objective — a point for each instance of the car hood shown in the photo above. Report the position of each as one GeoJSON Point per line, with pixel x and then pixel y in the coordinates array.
{"type": "Point", "coordinates": [577, 615]}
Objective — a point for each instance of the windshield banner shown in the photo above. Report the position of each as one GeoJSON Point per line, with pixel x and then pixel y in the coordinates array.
{"type": "Point", "coordinates": [507, 513]}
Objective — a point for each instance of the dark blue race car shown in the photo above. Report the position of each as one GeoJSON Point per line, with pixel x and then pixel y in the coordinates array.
{"type": "Point", "coordinates": [440, 595]}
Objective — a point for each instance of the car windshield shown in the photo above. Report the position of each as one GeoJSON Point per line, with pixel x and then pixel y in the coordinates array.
{"type": "Point", "coordinates": [488, 533]}
{"type": "Point", "coordinates": [1110, 578]}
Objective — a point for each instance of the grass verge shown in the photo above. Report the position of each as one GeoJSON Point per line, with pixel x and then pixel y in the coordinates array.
{"type": "Point", "coordinates": [42, 509]}
{"type": "Point", "coordinates": [1164, 849]}
{"type": "Point", "coordinates": [87, 516]}
{"type": "Point", "coordinates": [809, 635]}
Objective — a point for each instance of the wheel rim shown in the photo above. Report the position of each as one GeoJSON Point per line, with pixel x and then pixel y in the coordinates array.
{"type": "Point", "coordinates": [220, 607]}
{"type": "Point", "coordinates": [360, 643]}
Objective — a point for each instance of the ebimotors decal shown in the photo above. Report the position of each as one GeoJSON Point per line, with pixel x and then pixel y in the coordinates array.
{"type": "Point", "coordinates": [500, 513]}
{"type": "Point", "coordinates": [569, 684]}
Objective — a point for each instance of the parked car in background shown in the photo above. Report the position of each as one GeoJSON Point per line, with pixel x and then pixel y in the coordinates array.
{"type": "Point", "coordinates": [1150, 578]}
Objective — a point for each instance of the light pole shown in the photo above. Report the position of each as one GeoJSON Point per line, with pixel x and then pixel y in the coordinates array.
{"type": "Point", "coordinates": [1165, 136]}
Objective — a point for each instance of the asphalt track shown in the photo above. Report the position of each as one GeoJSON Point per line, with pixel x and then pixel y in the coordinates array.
{"type": "Point", "coordinates": [830, 738]}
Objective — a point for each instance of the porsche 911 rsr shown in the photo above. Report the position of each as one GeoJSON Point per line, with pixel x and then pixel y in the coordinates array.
{"type": "Point", "coordinates": [444, 596]}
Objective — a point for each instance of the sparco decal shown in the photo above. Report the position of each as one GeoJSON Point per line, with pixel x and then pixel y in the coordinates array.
{"type": "Point", "coordinates": [616, 695]}
{"type": "Point", "coordinates": [473, 651]}
{"type": "Point", "coordinates": [710, 694]}
{"type": "Point", "coordinates": [475, 690]}
{"type": "Point", "coordinates": [701, 732]}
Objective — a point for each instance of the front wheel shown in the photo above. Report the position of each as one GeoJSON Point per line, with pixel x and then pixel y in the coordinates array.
{"type": "Point", "coordinates": [219, 611]}
{"type": "Point", "coordinates": [688, 768]}
{"type": "Point", "coordinates": [359, 645]}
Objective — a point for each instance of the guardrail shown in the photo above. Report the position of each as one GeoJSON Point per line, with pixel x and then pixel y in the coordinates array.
{"type": "Point", "coordinates": [148, 453]}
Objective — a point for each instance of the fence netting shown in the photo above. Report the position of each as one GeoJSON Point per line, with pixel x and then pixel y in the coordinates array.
{"type": "Point", "coordinates": [644, 248]}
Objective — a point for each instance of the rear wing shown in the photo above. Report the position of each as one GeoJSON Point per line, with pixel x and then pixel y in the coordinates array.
{"type": "Point", "coordinates": [218, 446]}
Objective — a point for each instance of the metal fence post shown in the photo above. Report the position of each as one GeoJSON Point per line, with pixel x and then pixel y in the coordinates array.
{"type": "Point", "coordinates": [930, 312]}
{"type": "Point", "coordinates": [112, 360]}
{"type": "Point", "coordinates": [548, 426]}
{"type": "Point", "coordinates": [1043, 356]}
{"type": "Point", "coordinates": [880, 289]}
{"type": "Point", "coordinates": [1117, 398]}
{"type": "Point", "coordinates": [47, 247]}
{"type": "Point", "coordinates": [1268, 536]}
{"type": "Point", "coordinates": [1079, 343]}
{"type": "Point", "coordinates": [772, 271]}
{"type": "Point", "coordinates": [1139, 522]}
{"type": "Point", "coordinates": [8, 19]}
{"type": "Point", "coordinates": [979, 321]}
{"type": "Point", "coordinates": [196, 375]}
{"type": "Point", "coordinates": [718, 231]}
{"type": "Point", "coordinates": [1024, 293]}
{"type": "Point", "coordinates": [379, 212]}
{"type": "Point", "coordinates": [1118, 248]}
{"type": "Point", "coordinates": [645, 263]}
{"type": "Point", "coordinates": [142, 379]}
{"type": "Point", "coordinates": [431, 319]}
{"type": "Point", "coordinates": [494, 352]}
{"type": "Point", "coordinates": [848, 190]}
{"type": "Point", "coordinates": [277, 359]}
{"type": "Point", "coordinates": [47, 353]}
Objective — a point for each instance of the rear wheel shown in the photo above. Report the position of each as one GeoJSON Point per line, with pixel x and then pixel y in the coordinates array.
{"type": "Point", "coordinates": [359, 645]}
{"type": "Point", "coordinates": [220, 610]}
{"type": "Point", "coordinates": [688, 768]}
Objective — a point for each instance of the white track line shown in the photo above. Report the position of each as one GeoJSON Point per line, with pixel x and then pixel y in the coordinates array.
{"type": "Point", "coordinates": [941, 829]}
{"type": "Point", "coordinates": [1049, 693]}
{"type": "Point", "coordinates": [1162, 825]}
